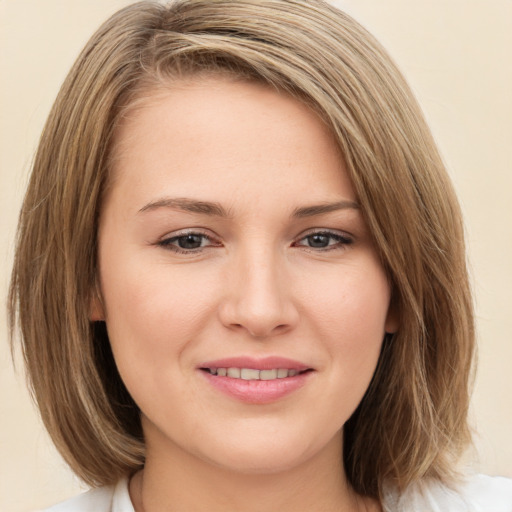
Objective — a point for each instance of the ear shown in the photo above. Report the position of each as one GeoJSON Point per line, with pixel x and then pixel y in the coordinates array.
{"type": "Point", "coordinates": [96, 308]}
{"type": "Point", "coordinates": [393, 318]}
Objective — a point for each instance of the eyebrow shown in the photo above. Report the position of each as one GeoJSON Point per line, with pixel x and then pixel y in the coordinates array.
{"type": "Point", "coordinates": [215, 209]}
{"type": "Point", "coordinates": [188, 205]}
{"type": "Point", "coordinates": [321, 209]}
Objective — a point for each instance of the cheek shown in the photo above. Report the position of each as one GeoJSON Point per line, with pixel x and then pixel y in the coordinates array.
{"type": "Point", "coordinates": [353, 300]}
{"type": "Point", "coordinates": [348, 311]}
{"type": "Point", "coordinates": [153, 319]}
{"type": "Point", "coordinates": [152, 310]}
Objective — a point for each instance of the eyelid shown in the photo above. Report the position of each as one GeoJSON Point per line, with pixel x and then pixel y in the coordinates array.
{"type": "Point", "coordinates": [325, 231]}
{"type": "Point", "coordinates": [342, 237]}
{"type": "Point", "coordinates": [185, 232]}
{"type": "Point", "coordinates": [166, 242]}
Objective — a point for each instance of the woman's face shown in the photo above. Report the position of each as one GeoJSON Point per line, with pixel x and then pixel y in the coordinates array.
{"type": "Point", "coordinates": [232, 247]}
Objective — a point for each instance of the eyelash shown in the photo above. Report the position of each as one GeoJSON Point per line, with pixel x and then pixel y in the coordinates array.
{"type": "Point", "coordinates": [168, 243]}
{"type": "Point", "coordinates": [341, 240]}
{"type": "Point", "coordinates": [171, 243]}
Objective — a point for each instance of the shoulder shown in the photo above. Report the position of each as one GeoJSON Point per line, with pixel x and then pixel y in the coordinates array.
{"type": "Point", "coordinates": [114, 498]}
{"type": "Point", "coordinates": [99, 500]}
{"type": "Point", "coordinates": [478, 493]}
{"type": "Point", "coordinates": [489, 494]}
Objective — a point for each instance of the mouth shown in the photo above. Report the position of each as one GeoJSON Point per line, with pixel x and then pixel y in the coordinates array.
{"type": "Point", "coordinates": [255, 374]}
{"type": "Point", "coordinates": [256, 381]}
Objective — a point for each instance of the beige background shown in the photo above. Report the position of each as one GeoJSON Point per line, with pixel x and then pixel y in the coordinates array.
{"type": "Point", "coordinates": [457, 56]}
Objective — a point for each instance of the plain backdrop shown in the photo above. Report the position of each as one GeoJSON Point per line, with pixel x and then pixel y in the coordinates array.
{"type": "Point", "coordinates": [456, 54]}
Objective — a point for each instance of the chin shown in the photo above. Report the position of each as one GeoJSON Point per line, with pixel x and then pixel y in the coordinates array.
{"type": "Point", "coordinates": [271, 454]}
{"type": "Point", "coordinates": [260, 464]}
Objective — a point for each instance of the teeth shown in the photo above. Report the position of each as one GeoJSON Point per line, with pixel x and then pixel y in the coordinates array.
{"type": "Point", "coordinates": [268, 374]}
{"type": "Point", "coordinates": [234, 373]}
{"type": "Point", "coordinates": [249, 374]}
{"type": "Point", "coordinates": [252, 374]}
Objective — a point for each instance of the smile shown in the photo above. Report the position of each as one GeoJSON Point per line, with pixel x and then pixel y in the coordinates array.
{"type": "Point", "coordinates": [253, 374]}
{"type": "Point", "coordinates": [255, 380]}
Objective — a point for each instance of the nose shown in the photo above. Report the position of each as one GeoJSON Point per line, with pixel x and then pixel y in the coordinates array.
{"type": "Point", "coordinates": [258, 297]}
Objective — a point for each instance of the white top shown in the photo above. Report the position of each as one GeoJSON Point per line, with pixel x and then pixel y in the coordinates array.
{"type": "Point", "coordinates": [479, 494]}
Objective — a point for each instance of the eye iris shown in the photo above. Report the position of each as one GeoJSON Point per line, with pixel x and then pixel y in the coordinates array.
{"type": "Point", "coordinates": [319, 240]}
{"type": "Point", "coordinates": [190, 241]}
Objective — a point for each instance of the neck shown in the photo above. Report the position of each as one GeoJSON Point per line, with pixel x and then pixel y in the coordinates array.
{"type": "Point", "coordinates": [185, 483]}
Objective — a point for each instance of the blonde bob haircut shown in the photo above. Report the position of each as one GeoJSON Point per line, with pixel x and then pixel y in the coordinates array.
{"type": "Point", "coordinates": [412, 421]}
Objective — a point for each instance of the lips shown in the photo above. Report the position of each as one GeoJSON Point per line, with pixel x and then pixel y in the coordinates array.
{"type": "Point", "coordinates": [266, 363]}
{"type": "Point", "coordinates": [253, 374]}
{"type": "Point", "coordinates": [256, 381]}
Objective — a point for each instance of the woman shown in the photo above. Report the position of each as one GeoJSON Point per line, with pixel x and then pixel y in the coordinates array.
{"type": "Point", "coordinates": [240, 277]}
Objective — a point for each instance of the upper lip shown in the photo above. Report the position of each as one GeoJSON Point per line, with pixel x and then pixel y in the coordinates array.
{"type": "Point", "coordinates": [265, 363]}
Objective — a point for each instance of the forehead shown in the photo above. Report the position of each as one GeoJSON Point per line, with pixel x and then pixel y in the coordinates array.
{"type": "Point", "coordinates": [220, 136]}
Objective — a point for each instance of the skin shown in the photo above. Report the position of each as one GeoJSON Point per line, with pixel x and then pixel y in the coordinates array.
{"type": "Point", "coordinates": [259, 284]}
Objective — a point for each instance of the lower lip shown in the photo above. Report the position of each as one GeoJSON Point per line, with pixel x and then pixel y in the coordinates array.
{"type": "Point", "coordinates": [257, 391]}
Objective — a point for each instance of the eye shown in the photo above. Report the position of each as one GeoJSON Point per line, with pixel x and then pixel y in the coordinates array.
{"type": "Point", "coordinates": [325, 240]}
{"type": "Point", "coordinates": [190, 242]}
